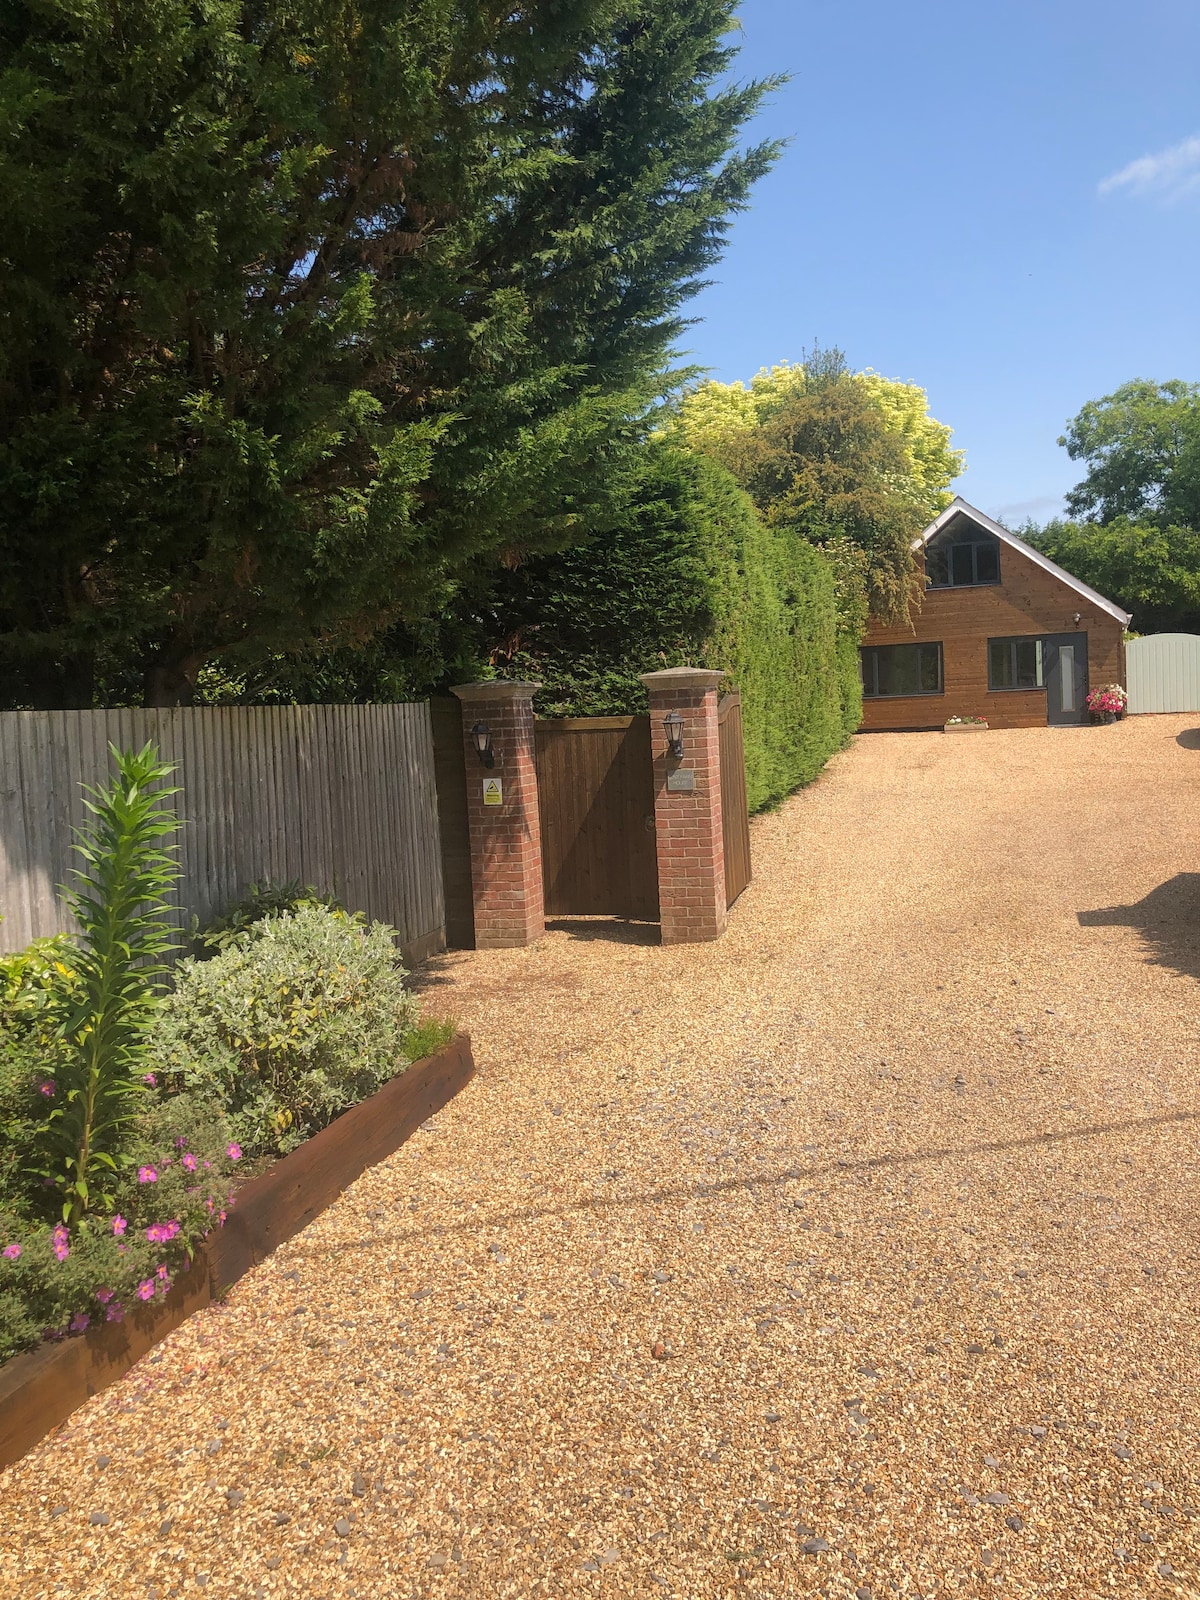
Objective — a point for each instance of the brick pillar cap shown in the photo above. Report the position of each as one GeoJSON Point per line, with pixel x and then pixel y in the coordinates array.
{"type": "Point", "coordinates": [697, 679]}
{"type": "Point", "coordinates": [496, 689]}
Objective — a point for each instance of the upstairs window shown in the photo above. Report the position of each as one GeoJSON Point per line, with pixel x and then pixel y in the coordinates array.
{"type": "Point", "coordinates": [962, 558]}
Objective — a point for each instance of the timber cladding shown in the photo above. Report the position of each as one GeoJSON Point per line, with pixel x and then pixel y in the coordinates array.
{"type": "Point", "coordinates": [596, 799]}
{"type": "Point", "coordinates": [1028, 601]}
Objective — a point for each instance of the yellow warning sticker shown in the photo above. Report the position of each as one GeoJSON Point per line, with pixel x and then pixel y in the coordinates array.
{"type": "Point", "coordinates": [493, 792]}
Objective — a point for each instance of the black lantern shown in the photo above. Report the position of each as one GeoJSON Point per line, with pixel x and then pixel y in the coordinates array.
{"type": "Point", "coordinates": [481, 737]}
{"type": "Point", "coordinates": [673, 723]}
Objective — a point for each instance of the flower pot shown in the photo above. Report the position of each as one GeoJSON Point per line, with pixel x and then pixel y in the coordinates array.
{"type": "Point", "coordinates": [1110, 716]}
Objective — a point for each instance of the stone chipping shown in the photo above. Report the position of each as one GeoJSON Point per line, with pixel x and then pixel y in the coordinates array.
{"type": "Point", "coordinates": [853, 1255]}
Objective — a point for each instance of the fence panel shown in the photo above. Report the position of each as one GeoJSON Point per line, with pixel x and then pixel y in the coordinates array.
{"type": "Point", "coordinates": [735, 816]}
{"type": "Point", "coordinates": [341, 797]}
{"type": "Point", "coordinates": [596, 798]}
{"type": "Point", "coordinates": [1163, 672]}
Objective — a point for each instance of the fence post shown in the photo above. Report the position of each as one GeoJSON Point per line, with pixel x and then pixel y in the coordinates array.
{"type": "Point", "coordinates": [502, 814]}
{"type": "Point", "coordinates": [687, 805]}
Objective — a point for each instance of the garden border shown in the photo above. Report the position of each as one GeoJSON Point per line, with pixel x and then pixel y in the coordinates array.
{"type": "Point", "coordinates": [40, 1389]}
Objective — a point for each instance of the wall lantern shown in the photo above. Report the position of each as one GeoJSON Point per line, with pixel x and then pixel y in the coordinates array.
{"type": "Point", "coordinates": [481, 737]}
{"type": "Point", "coordinates": [1079, 616]}
{"type": "Point", "coordinates": [673, 723]}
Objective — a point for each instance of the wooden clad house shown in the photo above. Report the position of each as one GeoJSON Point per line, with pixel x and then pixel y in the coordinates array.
{"type": "Point", "coordinates": [1000, 632]}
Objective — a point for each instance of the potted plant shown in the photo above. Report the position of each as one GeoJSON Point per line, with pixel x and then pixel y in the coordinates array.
{"type": "Point", "coordinates": [1107, 704]}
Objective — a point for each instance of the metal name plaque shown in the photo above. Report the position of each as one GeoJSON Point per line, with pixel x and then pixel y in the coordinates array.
{"type": "Point", "coordinates": [681, 781]}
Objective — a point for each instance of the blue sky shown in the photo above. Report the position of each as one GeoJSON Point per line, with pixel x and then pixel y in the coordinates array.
{"type": "Point", "coordinates": [999, 202]}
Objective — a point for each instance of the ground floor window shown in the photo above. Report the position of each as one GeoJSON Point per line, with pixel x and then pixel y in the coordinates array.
{"type": "Point", "coordinates": [1015, 664]}
{"type": "Point", "coordinates": [890, 669]}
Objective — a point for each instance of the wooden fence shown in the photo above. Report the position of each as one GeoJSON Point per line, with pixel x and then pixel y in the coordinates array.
{"type": "Point", "coordinates": [341, 797]}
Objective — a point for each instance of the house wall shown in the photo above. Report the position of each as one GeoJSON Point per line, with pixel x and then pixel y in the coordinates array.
{"type": "Point", "coordinates": [1027, 601]}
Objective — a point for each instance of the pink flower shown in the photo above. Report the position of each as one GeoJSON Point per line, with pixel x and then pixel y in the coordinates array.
{"type": "Point", "coordinates": [147, 1175]}
{"type": "Point", "coordinates": [48, 1087]}
{"type": "Point", "coordinates": [189, 1163]}
{"type": "Point", "coordinates": [79, 1322]}
{"type": "Point", "coordinates": [209, 1202]}
{"type": "Point", "coordinates": [11, 1252]}
{"type": "Point", "coordinates": [150, 1079]}
{"type": "Point", "coordinates": [162, 1232]}
{"type": "Point", "coordinates": [62, 1242]}
{"type": "Point", "coordinates": [115, 1312]}
{"type": "Point", "coordinates": [104, 1296]}
{"type": "Point", "coordinates": [119, 1225]}
{"type": "Point", "coordinates": [145, 1289]}
{"type": "Point", "coordinates": [221, 1218]}
{"type": "Point", "coordinates": [234, 1151]}
{"type": "Point", "coordinates": [163, 1273]}
{"type": "Point", "coordinates": [207, 1164]}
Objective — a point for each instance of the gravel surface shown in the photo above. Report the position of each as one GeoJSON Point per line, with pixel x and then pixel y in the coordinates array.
{"type": "Point", "coordinates": [854, 1255]}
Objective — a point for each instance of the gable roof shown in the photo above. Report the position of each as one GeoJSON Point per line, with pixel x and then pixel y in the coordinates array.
{"type": "Point", "coordinates": [960, 507]}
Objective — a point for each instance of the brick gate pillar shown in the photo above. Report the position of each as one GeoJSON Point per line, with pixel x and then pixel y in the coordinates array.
{"type": "Point", "coordinates": [687, 806]}
{"type": "Point", "coordinates": [502, 815]}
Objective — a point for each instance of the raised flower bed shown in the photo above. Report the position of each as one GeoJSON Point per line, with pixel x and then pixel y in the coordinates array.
{"type": "Point", "coordinates": [40, 1389]}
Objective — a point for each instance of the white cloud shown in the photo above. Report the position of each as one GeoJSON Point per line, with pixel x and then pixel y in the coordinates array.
{"type": "Point", "coordinates": [1169, 175]}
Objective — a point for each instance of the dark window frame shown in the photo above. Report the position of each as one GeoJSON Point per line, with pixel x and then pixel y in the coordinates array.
{"type": "Point", "coordinates": [985, 541]}
{"type": "Point", "coordinates": [1013, 640]}
{"type": "Point", "coordinates": [872, 651]}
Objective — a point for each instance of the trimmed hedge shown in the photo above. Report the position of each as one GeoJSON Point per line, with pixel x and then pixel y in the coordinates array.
{"type": "Point", "coordinates": [692, 576]}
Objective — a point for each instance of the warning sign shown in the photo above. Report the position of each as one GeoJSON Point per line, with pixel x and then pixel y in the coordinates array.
{"type": "Point", "coordinates": [493, 792]}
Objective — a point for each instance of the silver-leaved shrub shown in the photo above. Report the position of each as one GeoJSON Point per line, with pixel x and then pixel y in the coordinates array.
{"type": "Point", "coordinates": [297, 1018]}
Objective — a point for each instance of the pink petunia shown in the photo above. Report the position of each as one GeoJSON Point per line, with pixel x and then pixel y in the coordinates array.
{"type": "Point", "coordinates": [189, 1163]}
{"type": "Point", "coordinates": [234, 1151]}
{"type": "Point", "coordinates": [48, 1087]}
{"type": "Point", "coordinates": [119, 1225]}
{"type": "Point", "coordinates": [147, 1175]}
{"type": "Point", "coordinates": [62, 1242]}
{"type": "Point", "coordinates": [145, 1289]}
{"type": "Point", "coordinates": [11, 1252]}
{"type": "Point", "coordinates": [104, 1296]}
{"type": "Point", "coordinates": [79, 1322]}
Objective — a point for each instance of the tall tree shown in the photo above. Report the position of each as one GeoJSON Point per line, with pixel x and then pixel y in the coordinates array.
{"type": "Point", "coordinates": [1142, 448]}
{"type": "Point", "coordinates": [306, 305]}
{"type": "Point", "coordinates": [849, 461]}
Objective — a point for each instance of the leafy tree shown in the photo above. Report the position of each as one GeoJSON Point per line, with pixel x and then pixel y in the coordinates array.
{"type": "Point", "coordinates": [1153, 572]}
{"type": "Point", "coordinates": [850, 462]}
{"type": "Point", "coordinates": [1142, 448]}
{"type": "Point", "coordinates": [689, 575]}
{"type": "Point", "coordinates": [308, 304]}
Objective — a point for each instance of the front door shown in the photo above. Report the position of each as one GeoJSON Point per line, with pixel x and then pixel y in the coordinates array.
{"type": "Point", "coordinates": [1065, 656]}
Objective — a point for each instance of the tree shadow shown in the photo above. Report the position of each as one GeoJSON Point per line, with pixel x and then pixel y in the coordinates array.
{"type": "Point", "coordinates": [1189, 738]}
{"type": "Point", "coordinates": [1168, 919]}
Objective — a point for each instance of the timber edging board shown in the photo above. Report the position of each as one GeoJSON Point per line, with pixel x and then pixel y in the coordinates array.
{"type": "Point", "coordinates": [40, 1389]}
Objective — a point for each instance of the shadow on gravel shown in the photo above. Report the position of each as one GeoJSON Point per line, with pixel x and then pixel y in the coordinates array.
{"type": "Point", "coordinates": [828, 1169]}
{"type": "Point", "coordinates": [1168, 919]}
{"type": "Point", "coordinates": [613, 930]}
{"type": "Point", "coordinates": [1189, 738]}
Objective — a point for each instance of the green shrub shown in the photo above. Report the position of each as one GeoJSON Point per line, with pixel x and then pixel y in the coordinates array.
{"type": "Point", "coordinates": [261, 900]}
{"type": "Point", "coordinates": [298, 1017]}
{"type": "Point", "coordinates": [693, 576]}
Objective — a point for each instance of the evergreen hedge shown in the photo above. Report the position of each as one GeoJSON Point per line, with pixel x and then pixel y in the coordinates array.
{"type": "Point", "coordinates": [692, 576]}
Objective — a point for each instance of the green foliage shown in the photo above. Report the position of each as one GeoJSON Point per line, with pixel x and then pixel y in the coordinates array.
{"type": "Point", "coordinates": [691, 576]}
{"type": "Point", "coordinates": [119, 901]}
{"type": "Point", "coordinates": [851, 463]}
{"type": "Point", "coordinates": [428, 1037]}
{"type": "Point", "coordinates": [1142, 448]}
{"type": "Point", "coordinates": [106, 1267]}
{"type": "Point", "coordinates": [1152, 571]}
{"type": "Point", "coordinates": [261, 900]}
{"type": "Point", "coordinates": [298, 1017]}
{"type": "Point", "coordinates": [309, 308]}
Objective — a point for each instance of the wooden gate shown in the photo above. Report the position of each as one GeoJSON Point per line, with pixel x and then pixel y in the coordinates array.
{"type": "Point", "coordinates": [735, 818]}
{"type": "Point", "coordinates": [596, 796]}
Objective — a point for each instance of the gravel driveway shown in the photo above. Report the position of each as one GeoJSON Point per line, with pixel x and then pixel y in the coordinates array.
{"type": "Point", "coordinates": [854, 1255]}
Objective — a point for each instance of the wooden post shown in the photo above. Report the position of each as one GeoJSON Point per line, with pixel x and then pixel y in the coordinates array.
{"type": "Point", "coordinates": [502, 815]}
{"type": "Point", "coordinates": [687, 806]}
